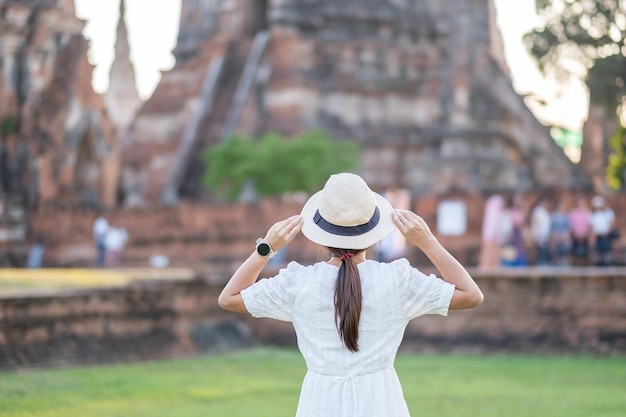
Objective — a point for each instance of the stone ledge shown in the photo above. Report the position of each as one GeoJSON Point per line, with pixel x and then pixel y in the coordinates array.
{"type": "Point", "coordinates": [531, 310]}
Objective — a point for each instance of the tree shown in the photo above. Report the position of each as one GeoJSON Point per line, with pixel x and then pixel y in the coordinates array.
{"type": "Point", "coordinates": [591, 33]}
{"type": "Point", "coordinates": [616, 170]}
{"type": "Point", "coordinates": [606, 81]}
{"type": "Point", "coordinates": [274, 165]}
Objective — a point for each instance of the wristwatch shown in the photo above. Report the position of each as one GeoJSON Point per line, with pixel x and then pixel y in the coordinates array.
{"type": "Point", "coordinates": [264, 249]}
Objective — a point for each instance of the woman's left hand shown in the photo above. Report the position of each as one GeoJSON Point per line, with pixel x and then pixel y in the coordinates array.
{"type": "Point", "coordinates": [413, 228]}
{"type": "Point", "coordinates": [283, 232]}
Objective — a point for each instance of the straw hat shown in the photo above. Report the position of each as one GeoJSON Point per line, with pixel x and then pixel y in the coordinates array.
{"type": "Point", "coordinates": [346, 214]}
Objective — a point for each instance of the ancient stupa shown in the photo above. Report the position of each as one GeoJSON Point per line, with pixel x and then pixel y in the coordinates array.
{"type": "Point", "coordinates": [122, 99]}
{"type": "Point", "coordinates": [422, 85]}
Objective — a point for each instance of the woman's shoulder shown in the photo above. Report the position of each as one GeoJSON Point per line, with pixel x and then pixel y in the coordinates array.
{"type": "Point", "coordinates": [296, 268]}
{"type": "Point", "coordinates": [397, 265]}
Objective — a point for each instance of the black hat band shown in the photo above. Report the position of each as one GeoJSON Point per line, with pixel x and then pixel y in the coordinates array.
{"type": "Point", "coordinates": [346, 230]}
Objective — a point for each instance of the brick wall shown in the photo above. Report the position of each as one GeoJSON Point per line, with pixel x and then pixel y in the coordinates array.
{"type": "Point", "coordinates": [191, 235]}
{"type": "Point", "coordinates": [145, 320]}
{"type": "Point", "coordinates": [218, 236]}
{"type": "Point", "coordinates": [530, 310]}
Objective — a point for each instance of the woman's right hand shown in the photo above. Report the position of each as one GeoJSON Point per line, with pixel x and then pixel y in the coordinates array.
{"type": "Point", "coordinates": [413, 228]}
{"type": "Point", "coordinates": [283, 232]}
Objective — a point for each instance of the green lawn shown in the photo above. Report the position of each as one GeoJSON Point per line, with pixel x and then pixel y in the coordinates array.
{"type": "Point", "coordinates": [20, 279]}
{"type": "Point", "coordinates": [266, 383]}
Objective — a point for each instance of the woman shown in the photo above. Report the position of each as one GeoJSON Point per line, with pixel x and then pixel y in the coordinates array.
{"type": "Point", "coordinates": [490, 250]}
{"type": "Point", "coordinates": [580, 221]}
{"type": "Point", "coordinates": [350, 313]}
{"type": "Point", "coordinates": [560, 235]}
{"type": "Point", "coordinates": [602, 227]}
{"type": "Point", "coordinates": [511, 234]}
{"type": "Point", "coordinates": [540, 231]}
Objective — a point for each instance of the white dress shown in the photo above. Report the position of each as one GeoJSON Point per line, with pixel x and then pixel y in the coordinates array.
{"type": "Point", "coordinates": [341, 383]}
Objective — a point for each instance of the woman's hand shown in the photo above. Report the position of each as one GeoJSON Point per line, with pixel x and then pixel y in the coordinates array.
{"type": "Point", "coordinates": [283, 232]}
{"type": "Point", "coordinates": [279, 235]}
{"type": "Point", "coordinates": [413, 227]}
{"type": "Point", "coordinates": [416, 231]}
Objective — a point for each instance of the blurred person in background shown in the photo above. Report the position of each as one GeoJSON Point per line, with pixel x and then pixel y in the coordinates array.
{"type": "Point", "coordinates": [580, 222]}
{"type": "Point", "coordinates": [100, 227]}
{"type": "Point", "coordinates": [393, 246]}
{"type": "Point", "coordinates": [489, 256]}
{"type": "Point", "coordinates": [511, 234]}
{"type": "Point", "coordinates": [114, 241]}
{"type": "Point", "coordinates": [350, 313]}
{"type": "Point", "coordinates": [560, 235]}
{"type": "Point", "coordinates": [36, 253]}
{"type": "Point", "coordinates": [540, 231]}
{"type": "Point", "coordinates": [603, 230]}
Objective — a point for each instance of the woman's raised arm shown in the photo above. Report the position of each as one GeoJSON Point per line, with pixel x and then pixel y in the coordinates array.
{"type": "Point", "coordinates": [416, 231]}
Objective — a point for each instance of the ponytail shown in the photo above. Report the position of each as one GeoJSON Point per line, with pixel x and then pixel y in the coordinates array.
{"type": "Point", "coordinates": [348, 299]}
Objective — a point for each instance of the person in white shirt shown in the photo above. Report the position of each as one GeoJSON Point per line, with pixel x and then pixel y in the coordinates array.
{"type": "Point", "coordinates": [114, 242]}
{"type": "Point", "coordinates": [349, 312]}
{"type": "Point", "coordinates": [540, 232]}
{"type": "Point", "coordinates": [393, 246]}
{"type": "Point", "coordinates": [602, 225]}
{"type": "Point", "coordinates": [100, 227]}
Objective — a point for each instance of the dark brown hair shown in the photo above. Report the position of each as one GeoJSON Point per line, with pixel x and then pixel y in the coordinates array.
{"type": "Point", "coordinates": [348, 299]}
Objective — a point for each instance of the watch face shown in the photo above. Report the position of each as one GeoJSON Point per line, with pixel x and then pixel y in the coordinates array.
{"type": "Point", "coordinates": [263, 249]}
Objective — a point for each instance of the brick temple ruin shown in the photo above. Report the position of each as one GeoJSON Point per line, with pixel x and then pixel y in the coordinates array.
{"type": "Point", "coordinates": [422, 87]}
{"type": "Point", "coordinates": [57, 144]}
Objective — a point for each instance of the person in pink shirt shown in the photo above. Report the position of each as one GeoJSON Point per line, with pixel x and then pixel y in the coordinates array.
{"type": "Point", "coordinates": [490, 247]}
{"type": "Point", "coordinates": [580, 223]}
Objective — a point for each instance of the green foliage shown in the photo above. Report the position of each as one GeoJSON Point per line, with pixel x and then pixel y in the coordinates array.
{"type": "Point", "coordinates": [7, 125]}
{"type": "Point", "coordinates": [591, 32]}
{"type": "Point", "coordinates": [274, 165]}
{"type": "Point", "coordinates": [263, 383]}
{"type": "Point", "coordinates": [616, 169]}
{"type": "Point", "coordinates": [606, 81]}
{"type": "Point", "coordinates": [566, 138]}
{"type": "Point", "coordinates": [228, 166]}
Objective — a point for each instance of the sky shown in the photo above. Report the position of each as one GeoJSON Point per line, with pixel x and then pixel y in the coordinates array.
{"type": "Point", "coordinates": [152, 30]}
{"type": "Point", "coordinates": [153, 27]}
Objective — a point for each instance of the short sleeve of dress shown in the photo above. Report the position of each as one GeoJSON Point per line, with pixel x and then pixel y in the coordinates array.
{"type": "Point", "coordinates": [274, 297]}
{"type": "Point", "coordinates": [422, 294]}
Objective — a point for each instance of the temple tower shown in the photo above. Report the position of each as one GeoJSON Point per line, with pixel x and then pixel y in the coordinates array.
{"type": "Point", "coordinates": [421, 85]}
{"type": "Point", "coordinates": [122, 99]}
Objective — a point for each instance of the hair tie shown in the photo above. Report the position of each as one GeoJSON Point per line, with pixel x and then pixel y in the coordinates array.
{"type": "Point", "coordinates": [346, 256]}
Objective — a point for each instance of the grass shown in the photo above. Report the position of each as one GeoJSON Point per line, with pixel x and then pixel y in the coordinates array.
{"type": "Point", "coordinates": [17, 279]}
{"type": "Point", "coordinates": [13, 279]}
{"type": "Point", "coordinates": [267, 383]}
